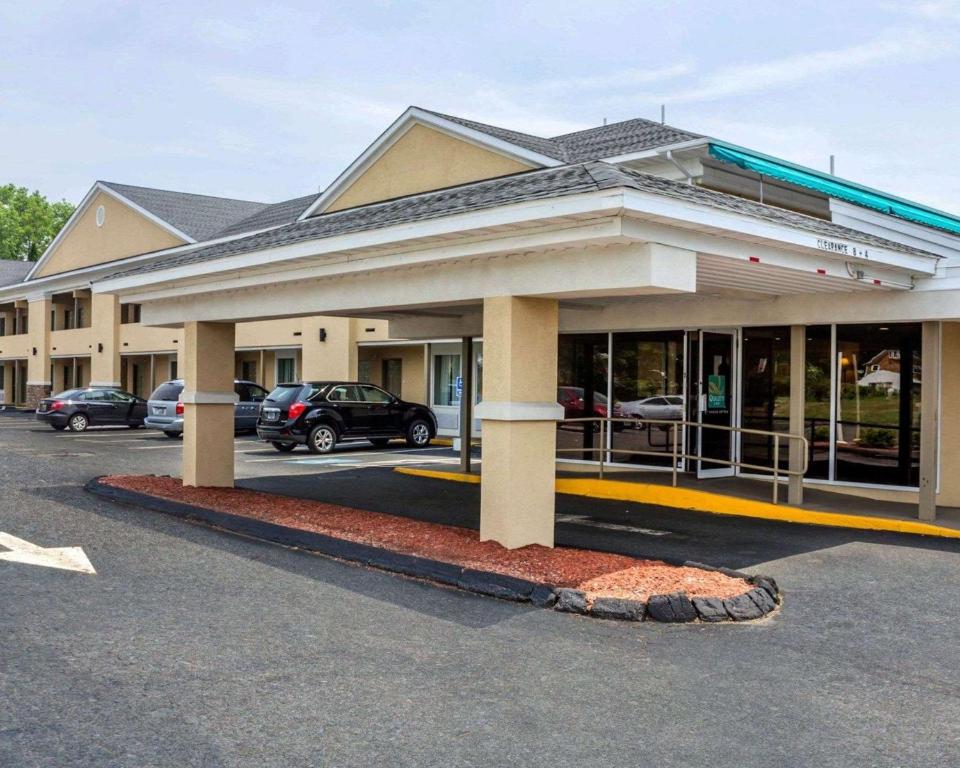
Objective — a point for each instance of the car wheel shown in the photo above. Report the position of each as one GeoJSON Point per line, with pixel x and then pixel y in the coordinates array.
{"type": "Point", "coordinates": [323, 439]}
{"type": "Point", "coordinates": [79, 422]}
{"type": "Point", "coordinates": [173, 435]}
{"type": "Point", "coordinates": [134, 426]}
{"type": "Point", "coordinates": [379, 442]}
{"type": "Point", "coordinates": [59, 427]}
{"type": "Point", "coordinates": [418, 434]}
{"type": "Point", "coordinates": [283, 447]}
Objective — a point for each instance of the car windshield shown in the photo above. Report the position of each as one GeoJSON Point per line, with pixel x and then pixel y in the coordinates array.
{"type": "Point", "coordinates": [168, 391]}
{"type": "Point", "coordinates": [284, 395]}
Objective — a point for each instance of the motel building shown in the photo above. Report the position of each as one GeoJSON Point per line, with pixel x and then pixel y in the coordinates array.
{"type": "Point", "coordinates": [635, 294]}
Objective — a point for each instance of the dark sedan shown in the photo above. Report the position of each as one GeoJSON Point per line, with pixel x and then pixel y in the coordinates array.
{"type": "Point", "coordinates": [79, 409]}
{"type": "Point", "coordinates": [321, 414]}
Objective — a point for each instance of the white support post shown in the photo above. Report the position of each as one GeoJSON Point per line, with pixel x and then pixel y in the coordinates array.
{"type": "Point", "coordinates": [798, 395]}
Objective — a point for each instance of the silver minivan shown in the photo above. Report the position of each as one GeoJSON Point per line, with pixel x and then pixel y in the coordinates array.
{"type": "Point", "coordinates": [165, 408]}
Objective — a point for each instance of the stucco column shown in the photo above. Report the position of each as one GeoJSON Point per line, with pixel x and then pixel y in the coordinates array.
{"type": "Point", "coordinates": [798, 396]}
{"type": "Point", "coordinates": [949, 414]}
{"type": "Point", "coordinates": [335, 356]}
{"type": "Point", "coordinates": [208, 404]}
{"type": "Point", "coordinates": [929, 417]}
{"type": "Point", "coordinates": [38, 361]}
{"type": "Point", "coordinates": [105, 332]}
{"type": "Point", "coordinates": [519, 414]}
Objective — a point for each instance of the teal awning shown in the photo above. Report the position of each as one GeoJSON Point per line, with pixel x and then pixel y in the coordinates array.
{"type": "Point", "coordinates": [836, 188]}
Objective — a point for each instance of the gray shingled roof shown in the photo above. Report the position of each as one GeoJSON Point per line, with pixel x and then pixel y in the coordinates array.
{"type": "Point", "coordinates": [14, 271]}
{"type": "Point", "coordinates": [199, 216]}
{"type": "Point", "coordinates": [590, 144]}
{"type": "Point", "coordinates": [552, 182]}
{"type": "Point", "coordinates": [271, 216]}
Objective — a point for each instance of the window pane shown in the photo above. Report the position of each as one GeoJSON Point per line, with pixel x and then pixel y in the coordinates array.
{"type": "Point", "coordinates": [878, 404]}
{"type": "Point", "coordinates": [816, 409]}
{"type": "Point", "coordinates": [374, 395]}
{"type": "Point", "coordinates": [446, 371]}
{"type": "Point", "coordinates": [766, 394]}
{"type": "Point", "coordinates": [582, 365]}
{"type": "Point", "coordinates": [647, 367]}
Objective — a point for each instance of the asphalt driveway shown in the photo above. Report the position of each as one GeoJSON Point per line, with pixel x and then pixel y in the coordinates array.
{"type": "Point", "coordinates": [191, 647]}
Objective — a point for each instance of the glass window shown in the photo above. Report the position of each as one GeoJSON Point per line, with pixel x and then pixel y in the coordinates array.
{"type": "Point", "coordinates": [374, 395]}
{"type": "Point", "coordinates": [169, 391]}
{"type": "Point", "coordinates": [816, 409]}
{"type": "Point", "coordinates": [766, 393]}
{"type": "Point", "coordinates": [582, 370]}
{"type": "Point", "coordinates": [286, 370]}
{"type": "Point", "coordinates": [878, 404]}
{"type": "Point", "coordinates": [647, 384]}
{"type": "Point", "coordinates": [285, 395]}
{"type": "Point", "coordinates": [344, 393]}
{"type": "Point", "coordinates": [96, 394]}
{"type": "Point", "coordinates": [446, 374]}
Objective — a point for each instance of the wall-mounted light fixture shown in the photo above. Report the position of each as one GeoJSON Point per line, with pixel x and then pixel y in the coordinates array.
{"type": "Point", "coordinates": [323, 334]}
{"type": "Point", "coordinates": [34, 350]}
{"type": "Point", "coordinates": [99, 347]}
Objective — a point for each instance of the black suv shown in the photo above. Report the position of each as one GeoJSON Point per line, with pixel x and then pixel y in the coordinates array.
{"type": "Point", "coordinates": [321, 414]}
{"type": "Point", "coordinates": [92, 406]}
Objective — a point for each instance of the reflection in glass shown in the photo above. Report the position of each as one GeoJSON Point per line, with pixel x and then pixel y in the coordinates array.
{"type": "Point", "coordinates": [878, 404]}
{"type": "Point", "coordinates": [816, 409]}
{"type": "Point", "coordinates": [647, 384]}
{"type": "Point", "coordinates": [582, 361]}
{"type": "Point", "coordinates": [446, 370]}
{"type": "Point", "coordinates": [766, 393]}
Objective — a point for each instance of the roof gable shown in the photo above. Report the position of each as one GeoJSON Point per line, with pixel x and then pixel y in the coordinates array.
{"type": "Point", "coordinates": [198, 217]}
{"type": "Point", "coordinates": [470, 139]}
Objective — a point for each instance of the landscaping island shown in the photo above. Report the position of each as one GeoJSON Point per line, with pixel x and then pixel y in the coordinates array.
{"type": "Point", "coordinates": [582, 581]}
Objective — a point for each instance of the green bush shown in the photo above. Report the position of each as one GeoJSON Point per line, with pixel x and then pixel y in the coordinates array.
{"type": "Point", "coordinates": [877, 438]}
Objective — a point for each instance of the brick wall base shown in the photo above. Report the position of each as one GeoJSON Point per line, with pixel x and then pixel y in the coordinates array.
{"type": "Point", "coordinates": [36, 393]}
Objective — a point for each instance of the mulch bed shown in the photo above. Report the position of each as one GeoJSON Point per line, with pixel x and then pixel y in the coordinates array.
{"type": "Point", "coordinates": [597, 574]}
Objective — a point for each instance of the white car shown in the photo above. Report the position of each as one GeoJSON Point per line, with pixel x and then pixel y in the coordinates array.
{"type": "Point", "coordinates": [667, 407]}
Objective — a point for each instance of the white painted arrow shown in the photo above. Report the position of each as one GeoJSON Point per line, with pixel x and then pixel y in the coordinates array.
{"type": "Point", "coordinates": [67, 558]}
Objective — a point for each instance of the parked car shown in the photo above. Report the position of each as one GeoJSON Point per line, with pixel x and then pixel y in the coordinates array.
{"type": "Point", "coordinates": [322, 414]}
{"type": "Point", "coordinates": [80, 409]}
{"type": "Point", "coordinates": [574, 406]}
{"type": "Point", "coordinates": [165, 408]}
{"type": "Point", "coordinates": [669, 407]}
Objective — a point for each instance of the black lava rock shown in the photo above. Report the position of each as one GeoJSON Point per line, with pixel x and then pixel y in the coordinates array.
{"type": "Point", "coordinates": [616, 608]}
{"type": "Point", "coordinates": [710, 609]}
{"type": "Point", "coordinates": [768, 585]}
{"type": "Point", "coordinates": [675, 607]}
{"type": "Point", "coordinates": [571, 601]}
{"type": "Point", "coordinates": [543, 596]}
{"type": "Point", "coordinates": [742, 608]}
{"type": "Point", "coordinates": [762, 599]}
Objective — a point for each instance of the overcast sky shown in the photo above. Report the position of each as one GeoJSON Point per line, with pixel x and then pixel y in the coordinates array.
{"type": "Point", "coordinates": [268, 101]}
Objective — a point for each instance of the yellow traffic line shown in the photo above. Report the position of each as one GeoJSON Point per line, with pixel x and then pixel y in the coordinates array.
{"type": "Point", "coordinates": [712, 503]}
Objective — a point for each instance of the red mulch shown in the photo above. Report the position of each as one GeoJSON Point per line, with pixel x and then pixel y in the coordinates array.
{"type": "Point", "coordinates": [599, 574]}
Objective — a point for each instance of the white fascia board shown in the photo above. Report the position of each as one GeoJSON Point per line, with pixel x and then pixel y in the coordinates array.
{"type": "Point", "coordinates": [605, 202]}
{"type": "Point", "coordinates": [87, 199]}
{"type": "Point", "coordinates": [894, 228]}
{"type": "Point", "coordinates": [744, 224]}
{"type": "Point", "coordinates": [647, 154]}
{"type": "Point", "coordinates": [397, 129]}
{"type": "Point", "coordinates": [64, 230]}
{"type": "Point", "coordinates": [85, 276]}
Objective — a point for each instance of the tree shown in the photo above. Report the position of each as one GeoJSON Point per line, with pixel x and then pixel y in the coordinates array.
{"type": "Point", "coordinates": [28, 222]}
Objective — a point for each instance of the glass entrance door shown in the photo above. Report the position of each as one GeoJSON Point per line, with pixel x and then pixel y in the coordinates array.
{"type": "Point", "coordinates": [715, 401]}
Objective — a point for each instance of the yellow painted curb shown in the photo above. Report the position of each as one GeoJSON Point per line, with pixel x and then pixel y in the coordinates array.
{"type": "Point", "coordinates": [713, 503]}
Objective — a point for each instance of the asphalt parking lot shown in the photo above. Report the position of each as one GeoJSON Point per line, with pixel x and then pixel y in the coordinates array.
{"type": "Point", "coordinates": [190, 647]}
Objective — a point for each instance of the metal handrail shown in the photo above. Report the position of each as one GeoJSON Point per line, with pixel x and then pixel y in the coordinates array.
{"type": "Point", "coordinates": [677, 454]}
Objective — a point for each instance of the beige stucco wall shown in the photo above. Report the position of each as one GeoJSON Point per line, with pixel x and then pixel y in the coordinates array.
{"type": "Point", "coordinates": [124, 233]}
{"type": "Point", "coordinates": [423, 159]}
{"type": "Point", "coordinates": [413, 380]}
{"type": "Point", "coordinates": [949, 415]}
{"type": "Point", "coordinates": [38, 327]}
